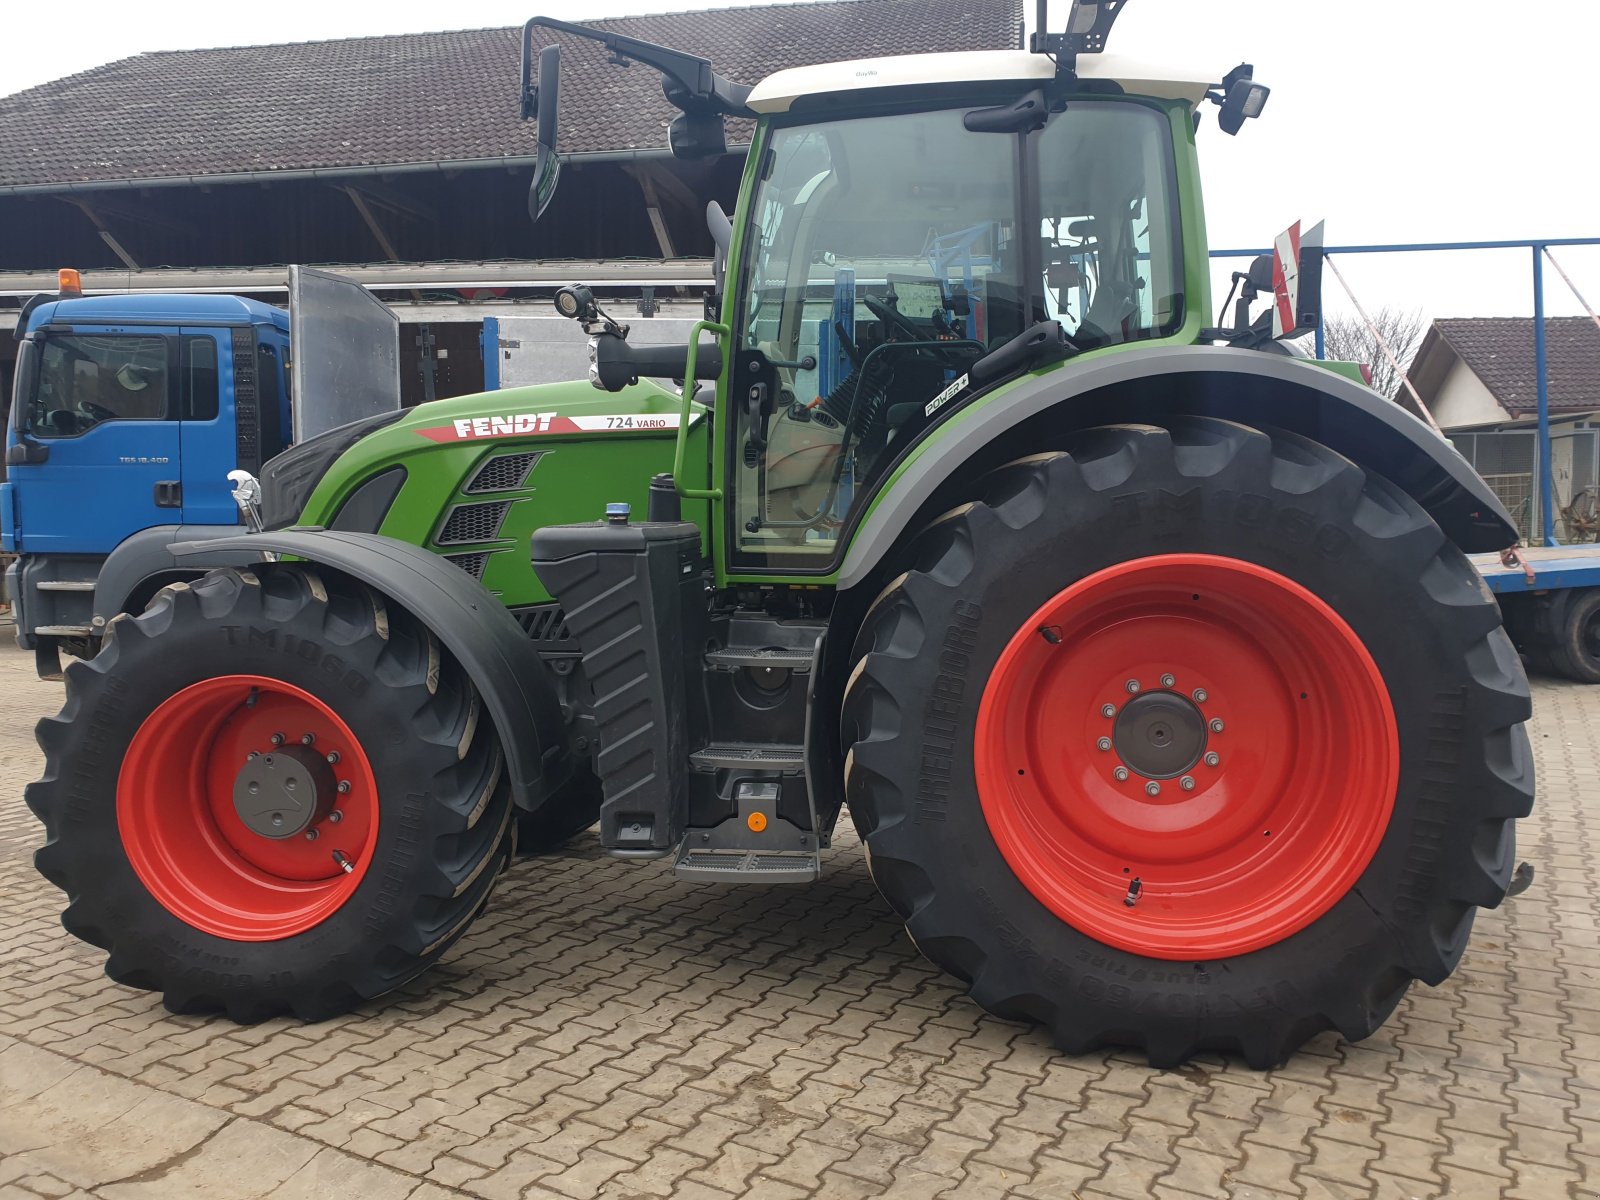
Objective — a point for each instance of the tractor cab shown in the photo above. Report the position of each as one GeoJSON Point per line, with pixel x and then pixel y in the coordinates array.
{"type": "Point", "coordinates": [917, 232]}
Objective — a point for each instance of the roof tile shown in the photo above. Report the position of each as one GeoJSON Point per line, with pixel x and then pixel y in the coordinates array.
{"type": "Point", "coordinates": [430, 97]}
{"type": "Point", "coordinates": [1499, 351]}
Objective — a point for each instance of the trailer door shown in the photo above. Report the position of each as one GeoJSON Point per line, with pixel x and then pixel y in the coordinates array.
{"type": "Point", "coordinates": [344, 352]}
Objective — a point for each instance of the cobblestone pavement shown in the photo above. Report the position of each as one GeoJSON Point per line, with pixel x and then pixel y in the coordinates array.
{"type": "Point", "coordinates": [605, 1031]}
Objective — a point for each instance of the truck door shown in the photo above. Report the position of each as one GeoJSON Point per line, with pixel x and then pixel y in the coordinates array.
{"type": "Point", "coordinates": [103, 405]}
{"type": "Point", "coordinates": [208, 423]}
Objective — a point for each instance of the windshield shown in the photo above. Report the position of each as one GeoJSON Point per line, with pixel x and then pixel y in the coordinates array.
{"type": "Point", "coordinates": [889, 254]}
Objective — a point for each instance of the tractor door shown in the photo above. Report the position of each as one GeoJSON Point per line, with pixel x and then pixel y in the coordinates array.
{"type": "Point", "coordinates": [208, 426]}
{"type": "Point", "coordinates": [104, 406]}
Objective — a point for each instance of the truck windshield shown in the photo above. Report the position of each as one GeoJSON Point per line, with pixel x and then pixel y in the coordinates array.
{"type": "Point", "coordinates": [84, 379]}
{"type": "Point", "coordinates": [889, 253]}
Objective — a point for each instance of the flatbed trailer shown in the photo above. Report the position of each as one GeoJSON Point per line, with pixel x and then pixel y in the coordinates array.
{"type": "Point", "coordinates": [1554, 617]}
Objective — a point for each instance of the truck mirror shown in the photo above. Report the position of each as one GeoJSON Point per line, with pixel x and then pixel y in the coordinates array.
{"type": "Point", "coordinates": [546, 103]}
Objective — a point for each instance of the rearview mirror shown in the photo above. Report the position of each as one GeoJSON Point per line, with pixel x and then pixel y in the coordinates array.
{"type": "Point", "coordinates": [545, 101]}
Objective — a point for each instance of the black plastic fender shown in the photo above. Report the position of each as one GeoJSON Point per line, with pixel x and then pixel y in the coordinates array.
{"type": "Point", "coordinates": [472, 625]}
{"type": "Point", "coordinates": [1241, 385]}
{"type": "Point", "coordinates": [145, 559]}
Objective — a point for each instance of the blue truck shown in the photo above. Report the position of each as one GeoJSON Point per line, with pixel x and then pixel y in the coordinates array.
{"type": "Point", "coordinates": [130, 411]}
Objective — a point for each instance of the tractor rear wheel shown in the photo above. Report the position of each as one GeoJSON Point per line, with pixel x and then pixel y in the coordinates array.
{"type": "Point", "coordinates": [271, 793]}
{"type": "Point", "coordinates": [1188, 738]}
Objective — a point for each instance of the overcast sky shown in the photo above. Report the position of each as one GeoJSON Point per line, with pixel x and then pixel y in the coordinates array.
{"type": "Point", "coordinates": [1395, 120]}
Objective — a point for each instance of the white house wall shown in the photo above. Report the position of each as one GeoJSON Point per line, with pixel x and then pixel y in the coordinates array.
{"type": "Point", "coordinates": [1463, 401]}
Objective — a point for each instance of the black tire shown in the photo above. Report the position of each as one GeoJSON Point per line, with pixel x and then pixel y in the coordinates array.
{"type": "Point", "coordinates": [1574, 650]}
{"type": "Point", "coordinates": [571, 808]}
{"type": "Point", "coordinates": [444, 812]}
{"type": "Point", "coordinates": [1211, 487]}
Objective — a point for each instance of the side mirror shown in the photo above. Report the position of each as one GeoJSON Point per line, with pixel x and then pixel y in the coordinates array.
{"type": "Point", "coordinates": [701, 135]}
{"type": "Point", "coordinates": [1242, 99]}
{"type": "Point", "coordinates": [545, 101]}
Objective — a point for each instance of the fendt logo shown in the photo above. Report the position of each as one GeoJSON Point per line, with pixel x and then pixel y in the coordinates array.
{"type": "Point", "coordinates": [470, 429]}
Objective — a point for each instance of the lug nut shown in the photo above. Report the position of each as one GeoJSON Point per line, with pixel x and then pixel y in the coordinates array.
{"type": "Point", "coordinates": [1199, 695]}
{"type": "Point", "coordinates": [307, 738]}
{"type": "Point", "coordinates": [333, 757]}
{"type": "Point", "coordinates": [1121, 774]}
{"type": "Point", "coordinates": [277, 739]}
{"type": "Point", "coordinates": [1168, 680]}
{"type": "Point", "coordinates": [311, 835]}
{"type": "Point", "coordinates": [1104, 743]}
{"type": "Point", "coordinates": [1212, 758]}
{"type": "Point", "coordinates": [1187, 783]}
{"type": "Point", "coordinates": [336, 816]}
{"type": "Point", "coordinates": [344, 787]}
{"type": "Point", "coordinates": [1152, 788]}
{"type": "Point", "coordinates": [253, 755]}
{"type": "Point", "coordinates": [1132, 685]}
{"type": "Point", "coordinates": [1216, 724]}
{"type": "Point", "coordinates": [1108, 710]}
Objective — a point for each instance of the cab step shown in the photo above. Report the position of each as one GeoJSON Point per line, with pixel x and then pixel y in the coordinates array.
{"type": "Point", "coordinates": [747, 866]}
{"type": "Point", "coordinates": [753, 756]}
{"type": "Point", "coordinates": [734, 658]}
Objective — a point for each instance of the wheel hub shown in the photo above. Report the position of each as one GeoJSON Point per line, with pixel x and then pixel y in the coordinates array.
{"type": "Point", "coordinates": [1160, 735]}
{"type": "Point", "coordinates": [282, 793]}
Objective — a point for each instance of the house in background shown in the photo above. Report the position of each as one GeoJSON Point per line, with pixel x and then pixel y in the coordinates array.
{"type": "Point", "coordinates": [1477, 377]}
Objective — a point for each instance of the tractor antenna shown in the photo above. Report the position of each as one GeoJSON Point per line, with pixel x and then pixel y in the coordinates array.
{"type": "Point", "coordinates": [1088, 25]}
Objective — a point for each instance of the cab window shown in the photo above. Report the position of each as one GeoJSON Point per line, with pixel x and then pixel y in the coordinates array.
{"type": "Point", "coordinates": [87, 379]}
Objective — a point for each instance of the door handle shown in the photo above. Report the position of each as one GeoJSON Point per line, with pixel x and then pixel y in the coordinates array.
{"type": "Point", "coordinates": [169, 494]}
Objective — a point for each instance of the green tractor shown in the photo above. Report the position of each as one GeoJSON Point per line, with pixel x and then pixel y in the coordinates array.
{"type": "Point", "coordinates": [1151, 670]}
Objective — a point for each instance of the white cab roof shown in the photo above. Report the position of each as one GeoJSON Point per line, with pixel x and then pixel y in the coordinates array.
{"type": "Point", "coordinates": [777, 93]}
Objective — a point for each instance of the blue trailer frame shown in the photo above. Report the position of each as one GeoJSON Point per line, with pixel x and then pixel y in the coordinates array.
{"type": "Point", "coordinates": [1550, 599]}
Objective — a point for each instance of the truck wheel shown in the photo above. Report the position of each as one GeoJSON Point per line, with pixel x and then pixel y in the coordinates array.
{"type": "Point", "coordinates": [269, 793]}
{"type": "Point", "coordinates": [1193, 738]}
{"type": "Point", "coordinates": [571, 809]}
{"type": "Point", "coordinates": [1574, 650]}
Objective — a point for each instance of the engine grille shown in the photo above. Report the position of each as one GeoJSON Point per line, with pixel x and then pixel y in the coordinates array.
{"type": "Point", "coordinates": [473, 564]}
{"type": "Point", "coordinates": [504, 473]}
{"type": "Point", "coordinates": [473, 523]}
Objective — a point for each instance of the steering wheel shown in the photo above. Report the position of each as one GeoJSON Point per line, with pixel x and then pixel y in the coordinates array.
{"type": "Point", "coordinates": [89, 409]}
{"type": "Point", "coordinates": [894, 319]}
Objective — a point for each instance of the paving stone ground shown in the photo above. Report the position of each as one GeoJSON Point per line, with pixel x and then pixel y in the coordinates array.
{"type": "Point", "coordinates": [606, 1031]}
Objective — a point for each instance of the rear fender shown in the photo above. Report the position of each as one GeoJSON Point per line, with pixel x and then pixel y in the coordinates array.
{"type": "Point", "coordinates": [1147, 385]}
{"type": "Point", "coordinates": [485, 638]}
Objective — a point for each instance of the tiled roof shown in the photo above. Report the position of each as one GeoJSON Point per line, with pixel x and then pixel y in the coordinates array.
{"type": "Point", "coordinates": [1499, 351]}
{"type": "Point", "coordinates": [432, 97]}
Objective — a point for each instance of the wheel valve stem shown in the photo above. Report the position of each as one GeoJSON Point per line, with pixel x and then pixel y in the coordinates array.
{"type": "Point", "coordinates": [1050, 634]}
{"type": "Point", "coordinates": [345, 864]}
{"type": "Point", "coordinates": [1134, 888]}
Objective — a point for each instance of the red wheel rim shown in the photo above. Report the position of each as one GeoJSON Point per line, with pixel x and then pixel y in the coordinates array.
{"type": "Point", "coordinates": [191, 846]}
{"type": "Point", "coordinates": [1087, 786]}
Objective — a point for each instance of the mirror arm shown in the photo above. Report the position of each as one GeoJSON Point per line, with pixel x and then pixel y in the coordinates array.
{"type": "Point", "coordinates": [688, 80]}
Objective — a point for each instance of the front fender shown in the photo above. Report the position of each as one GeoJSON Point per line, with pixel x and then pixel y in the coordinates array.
{"type": "Point", "coordinates": [1239, 385]}
{"type": "Point", "coordinates": [473, 626]}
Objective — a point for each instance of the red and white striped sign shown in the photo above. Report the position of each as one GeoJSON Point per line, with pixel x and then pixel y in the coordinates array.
{"type": "Point", "coordinates": [1286, 279]}
{"type": "Point", "coordinates": [473, 429]}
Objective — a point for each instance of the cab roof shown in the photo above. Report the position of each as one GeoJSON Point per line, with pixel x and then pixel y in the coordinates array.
{"type": "Point", "coordinates": [147, 309]}
{"type": "Point", "coordinates": [778, 92]}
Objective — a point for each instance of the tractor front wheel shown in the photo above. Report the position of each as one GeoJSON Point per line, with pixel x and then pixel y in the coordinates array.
{"type": "Point", "coordinates": [1188, 738]}
{"type": "Point", "coordinates": [271, 793]}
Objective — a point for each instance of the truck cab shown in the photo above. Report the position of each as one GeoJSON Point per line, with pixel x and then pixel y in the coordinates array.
{"type": "Point", "coordinates": [128, 413]}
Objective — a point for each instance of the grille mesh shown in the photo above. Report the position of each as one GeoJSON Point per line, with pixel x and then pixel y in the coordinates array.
{"type": "Point", "coordinates": [504, 473]}
{"type": "Point", "coordinates": [547, 623]}
{"type": "Point", "coordinates": [472, 564]}
{"type": "Point", "coordinates": [474, 523]}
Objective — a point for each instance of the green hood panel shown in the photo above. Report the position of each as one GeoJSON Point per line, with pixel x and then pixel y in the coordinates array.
{"type": "Point", "coordinates": [482, 472]}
